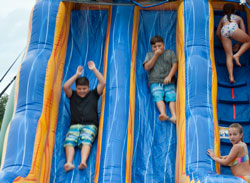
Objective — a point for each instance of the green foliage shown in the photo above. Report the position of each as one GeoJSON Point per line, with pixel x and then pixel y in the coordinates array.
{"type": "Point", "coordinates": [3, 101]}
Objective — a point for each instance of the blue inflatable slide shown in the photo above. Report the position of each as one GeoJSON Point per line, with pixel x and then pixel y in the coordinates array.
{"type": "Point", "coordinates": [132, 146]}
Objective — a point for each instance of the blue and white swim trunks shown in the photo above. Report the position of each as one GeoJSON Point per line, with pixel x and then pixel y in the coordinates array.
{"type": "Point", "coordinates": [164, 92]}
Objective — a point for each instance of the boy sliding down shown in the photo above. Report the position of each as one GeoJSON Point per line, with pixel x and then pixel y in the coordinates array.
{"type": "Point", "coordinates": [84, 117]}
{"type": "Point", "coordinates": [162, 66]}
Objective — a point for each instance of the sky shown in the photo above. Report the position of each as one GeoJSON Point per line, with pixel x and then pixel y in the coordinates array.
{"type": "Point", "coordinates": [14, 22]}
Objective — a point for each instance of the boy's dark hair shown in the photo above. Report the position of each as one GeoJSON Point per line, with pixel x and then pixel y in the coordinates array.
{"type": "Point", "coordinates": [228, 10]}
{"type": "Point", "coordinates": [82, 81]}
{"type": "Point", "coordinates": [156, 39]}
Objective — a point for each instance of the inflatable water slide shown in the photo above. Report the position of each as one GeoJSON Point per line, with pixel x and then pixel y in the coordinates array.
{"type": "Point", "coordinates": [132, 144]}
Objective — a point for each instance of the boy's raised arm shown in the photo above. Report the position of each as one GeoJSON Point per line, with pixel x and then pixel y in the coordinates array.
{"type": "Point", "coordinates": [102, 83]}
{"type": "Point", "coordinates": [67, 85]}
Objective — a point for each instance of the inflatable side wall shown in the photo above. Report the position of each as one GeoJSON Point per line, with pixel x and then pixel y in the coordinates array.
{"type": "Point", "coordinates": [28, 150]}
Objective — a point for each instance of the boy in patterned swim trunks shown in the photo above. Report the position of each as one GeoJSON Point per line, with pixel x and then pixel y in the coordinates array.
{"type": "Point", "coordinates": [84, 117]}
{"type": "Point", "coordinates": [162, 66]}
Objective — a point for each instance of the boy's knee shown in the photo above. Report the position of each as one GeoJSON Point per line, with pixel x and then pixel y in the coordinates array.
{"type": "Point", "coordinates": [170, 97]}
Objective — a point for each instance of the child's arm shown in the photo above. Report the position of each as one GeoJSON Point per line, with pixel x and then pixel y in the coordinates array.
{"type": "Point", "coordinates": [218, 34]}
{"type": "Point", "coordinates": [242, 25]}
{"type": "Point", "coordinates": [101, 85]}
{"type": "Point", "coordinates": [227, 159]}
{"type": "Point", "coordinates": [148, 65]}
{"type": "Point", "coordinates": [172, 72]}
{"type": "Point", "coordinates": [223, 157]}
{"type": "Point", "coordinates": [67, 85]}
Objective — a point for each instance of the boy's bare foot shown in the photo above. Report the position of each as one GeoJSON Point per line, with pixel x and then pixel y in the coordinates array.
{"type": "Point", "coordinates": [231, 79]}
{"type": "Point", "coordinates": [163, 117]}
{"type": "Point", "coordinates": [82, 166]}
{"type": "Point", "coordinates": [237, 60]}
{"type": "Point", "coordinates": [173, 119]}
{"type": "Point", "coordinates": [68, 167]}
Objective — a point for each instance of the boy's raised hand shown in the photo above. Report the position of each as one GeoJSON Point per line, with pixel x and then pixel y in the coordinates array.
{"type": "Point", "coordinates": [79, 70]}
{"type": "Point", "coordinates": [91, 65]}
{"type": "Point", "coordinates": [159, 51]}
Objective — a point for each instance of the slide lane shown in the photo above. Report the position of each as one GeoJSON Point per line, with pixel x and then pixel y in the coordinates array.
{"type": "Point", "coordinates": [154, 141]}
{"type": "Point", "coordinates": [87, 37]}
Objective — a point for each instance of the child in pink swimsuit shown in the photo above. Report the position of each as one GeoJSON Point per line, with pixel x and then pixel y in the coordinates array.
{"type": "Point", "coordinates": [237, 159]}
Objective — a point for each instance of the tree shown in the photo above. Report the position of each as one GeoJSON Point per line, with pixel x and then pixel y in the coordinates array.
{"type": "Point", "coordinates": [3, 101]}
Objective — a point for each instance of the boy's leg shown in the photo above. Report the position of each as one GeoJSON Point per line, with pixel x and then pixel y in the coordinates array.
{"type": "Point", "coordinates": [162, 109]}
{"type": "Point", "coordinates": [69, 145]}
{"type": "Point", "coordinates": [87, 137]}
{"type": "Point", "coordinates": [158, 94]}
{"type": "Point", "coordinates": [170, 97]}
{"type": "Point", "coordinates": [84, 156]}
{"type": "Point", "coordinates": [172, 108]}
{"type": "Point", "coordinates": [70, 152]}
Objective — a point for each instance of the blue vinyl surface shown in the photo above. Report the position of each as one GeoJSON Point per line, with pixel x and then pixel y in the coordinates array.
{"type": "Point", "coordinates": [115, 124]}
